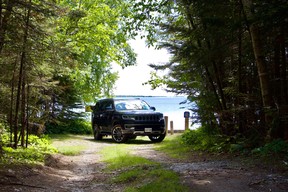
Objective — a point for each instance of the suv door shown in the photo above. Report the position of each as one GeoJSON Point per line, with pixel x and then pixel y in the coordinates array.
{"type": "Point", "coordinates": [96, 115]}
{"type": "Point", "coordinates": [105, 115]}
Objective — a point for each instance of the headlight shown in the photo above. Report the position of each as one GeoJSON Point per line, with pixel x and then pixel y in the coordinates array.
{"type": "Point", "coordinates": [128, 117]}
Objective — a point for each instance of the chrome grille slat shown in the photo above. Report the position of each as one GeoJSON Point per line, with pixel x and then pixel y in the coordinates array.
{"type": "Point", "coordinates": [147, 117]}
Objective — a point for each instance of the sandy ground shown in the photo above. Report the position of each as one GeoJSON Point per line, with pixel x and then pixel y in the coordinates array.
{"type": "Point", "coordinates": [84, 172]}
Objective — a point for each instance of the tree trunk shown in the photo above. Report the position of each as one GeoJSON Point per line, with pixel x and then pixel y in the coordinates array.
{"type": "Point", "coordinates": [21, 79]}
{"type": "Point", "coordinates": [219, 85]}
{"type": "Point", "coordinates": [241, 118]}
{"type": "Point", "coordinates": [283, 97]}
{"type": "Point", "coordinates": [209, 76]}
{"type": "Point", "coordinates": [23, 110]}
{"type": "Point", "coordinates": [260, 59]}
{"type": "Point", "coordinates": [27, 115]}
{"type": "Point", "coordinates": [283, 61]}
{"type": "Point", "coordinates": [12, 102]}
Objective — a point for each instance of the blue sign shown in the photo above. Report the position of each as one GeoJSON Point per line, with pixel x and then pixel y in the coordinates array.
{"type": "Point", "coordinates": [186, 114]}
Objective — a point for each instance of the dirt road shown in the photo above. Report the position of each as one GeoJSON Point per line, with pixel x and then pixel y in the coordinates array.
{"type": "Point", "coordinates": [84, 172]}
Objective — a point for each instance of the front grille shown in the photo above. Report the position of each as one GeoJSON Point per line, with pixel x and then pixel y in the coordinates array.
{"type": "Point", "coordinates": [147, 118]}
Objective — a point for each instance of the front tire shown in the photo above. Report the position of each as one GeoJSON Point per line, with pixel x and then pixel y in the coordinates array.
{"type": "Point", "coordinates": [96, 132]}
{"type": "Point", "coordinates": [117, 134]}
{"type": "Point", "coordinates": [157, 138]}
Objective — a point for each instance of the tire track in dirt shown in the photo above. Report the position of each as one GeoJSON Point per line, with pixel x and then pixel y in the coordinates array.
{"type": "Point", "coordinates": [85, 172]}
{"type": "Point", "coordinates": [216, 175]}
{"type": "Point", "coordinates": [80, 173]}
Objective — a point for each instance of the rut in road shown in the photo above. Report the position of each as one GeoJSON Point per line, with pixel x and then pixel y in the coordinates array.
{"type": "Point", "coordinates": [216, 175]}
{"type": "Point", "coordinates": [200, 175]}
{"type": "Point", "coordinates": [85, 172]}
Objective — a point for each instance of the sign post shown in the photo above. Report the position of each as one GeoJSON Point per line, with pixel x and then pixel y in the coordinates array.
{"type": "Point", "coordinates": [171, 128]}
{"type": "Point", "coordinates": [186, 116]}
{"type": "Point", "coordinates": [166, 124]}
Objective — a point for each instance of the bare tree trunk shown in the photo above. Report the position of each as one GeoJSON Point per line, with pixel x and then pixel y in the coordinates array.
{"type": "Point", "coordinates": [208, 74]}
{"type": "Point", "coordinates": [283, 57]}
{"type": "Point", "coordinates": [11, 111]}
{"type": "Point", "coordinates": [23, 111]}
{"type": "Point", "coordinates": [241, 116]}
{"type": "Point", "coordinates": [283, 108]}
{"type": "Point", "coordinates": [219, 84]}
{"type": "Point", "coordinates": [27, 115]}
{"type": "Point", "coordinates": [260, 59]}
{"type": "Point", "coordinates": [21, 79]}
{"type": "Point", "coordinates": [18, 103]}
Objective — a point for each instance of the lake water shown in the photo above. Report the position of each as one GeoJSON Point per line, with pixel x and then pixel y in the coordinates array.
{"type": "Point", "coordinates": [171, 107]}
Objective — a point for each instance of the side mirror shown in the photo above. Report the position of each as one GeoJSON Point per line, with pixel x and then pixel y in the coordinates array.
{"type": "Point", "coordinates": [153, 108]}
{"type": "Point", "coordinates": [89, 108]}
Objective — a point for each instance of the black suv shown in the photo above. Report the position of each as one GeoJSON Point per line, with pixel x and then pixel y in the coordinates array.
{"type": "Point", "coordinates": [126, 119]}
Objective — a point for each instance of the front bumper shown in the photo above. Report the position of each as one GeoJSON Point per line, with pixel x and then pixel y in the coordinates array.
{"type": "Point", "coordinates": [143, 130]}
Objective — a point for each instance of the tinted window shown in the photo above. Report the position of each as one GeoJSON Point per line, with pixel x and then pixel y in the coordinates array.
{"type": "Point", "coordinates": [106, 105]}
{"type": "Point", "coordinates": [131, 105]}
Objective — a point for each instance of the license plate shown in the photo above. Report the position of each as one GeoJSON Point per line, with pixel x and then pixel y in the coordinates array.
{"type": "Point", "coordinates": [148, 130]}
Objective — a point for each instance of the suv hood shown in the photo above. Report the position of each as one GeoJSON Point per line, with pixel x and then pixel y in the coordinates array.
{"type": "Point", "coordinates": [142, 112]}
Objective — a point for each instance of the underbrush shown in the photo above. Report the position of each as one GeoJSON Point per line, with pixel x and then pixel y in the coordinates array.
{"type": "Point", "coordinates": [202, 139]}
{"type": "Point", "coordinates": [37, 149]}
{"type": "Point", "coordinates": [139, 174]}
{"type": "Point", "coordinates": [73, 126]}
{"type": "Point", "coordinates": [273, 151]}
{"type": "Point", "coordinates": [211, 142]}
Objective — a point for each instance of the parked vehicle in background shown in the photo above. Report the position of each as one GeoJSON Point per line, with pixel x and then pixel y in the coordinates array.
{"type": "Point", "coordinates": [125, 119]}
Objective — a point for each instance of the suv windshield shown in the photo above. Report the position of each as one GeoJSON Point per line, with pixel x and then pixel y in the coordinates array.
{"type": "Point", "coordinates": [131, 105]}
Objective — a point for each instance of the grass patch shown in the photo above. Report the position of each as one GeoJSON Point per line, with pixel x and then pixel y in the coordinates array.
{"type": "Point", "coordinates": [174, 147]}
{"type": "Point", "coordinates": [139, 174]}
{"type": "Point", "coordinates": [118, 156]}
{"type": "Point", "coordinates": [153, 179]}
{"type": "Point", "coordinates": [68, 148]}
{"type": "Point", "coordinates": [71, 151]}
{"type": "Point", "coordinates": [63, 137]}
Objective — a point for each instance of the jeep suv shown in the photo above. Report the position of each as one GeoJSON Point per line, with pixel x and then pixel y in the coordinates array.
{"type": "Point", "coordinates": [126, 119]}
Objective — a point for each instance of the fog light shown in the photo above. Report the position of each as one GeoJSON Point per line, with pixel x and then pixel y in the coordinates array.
{"type": "Point", "coordinates": [128, 127]}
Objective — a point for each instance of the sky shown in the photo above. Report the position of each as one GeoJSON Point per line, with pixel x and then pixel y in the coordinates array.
{"type": "Point", "coordinates": [131, 78]}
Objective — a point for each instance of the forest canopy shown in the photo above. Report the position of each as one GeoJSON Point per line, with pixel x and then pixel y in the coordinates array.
{"type": "Point", "coordinates": [56, 55]}
{"type": "Point", "coordinates": [230, 57]}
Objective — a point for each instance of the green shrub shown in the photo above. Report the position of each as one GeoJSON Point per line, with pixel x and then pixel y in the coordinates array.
{"type": "Point", "coordinates": [4, 137]}
{"type": "Point", "coordinates": [36, 151]}
{"type": "Point", "coordinates": [205, 139]}
{"type": "Point", "coordinates": [73, 126]}
{"type": "Point", "coordinates": [276, 147]}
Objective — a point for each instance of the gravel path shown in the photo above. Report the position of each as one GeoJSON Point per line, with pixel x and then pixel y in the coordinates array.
{"type": "Point", "coordinates": [84, 172]}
